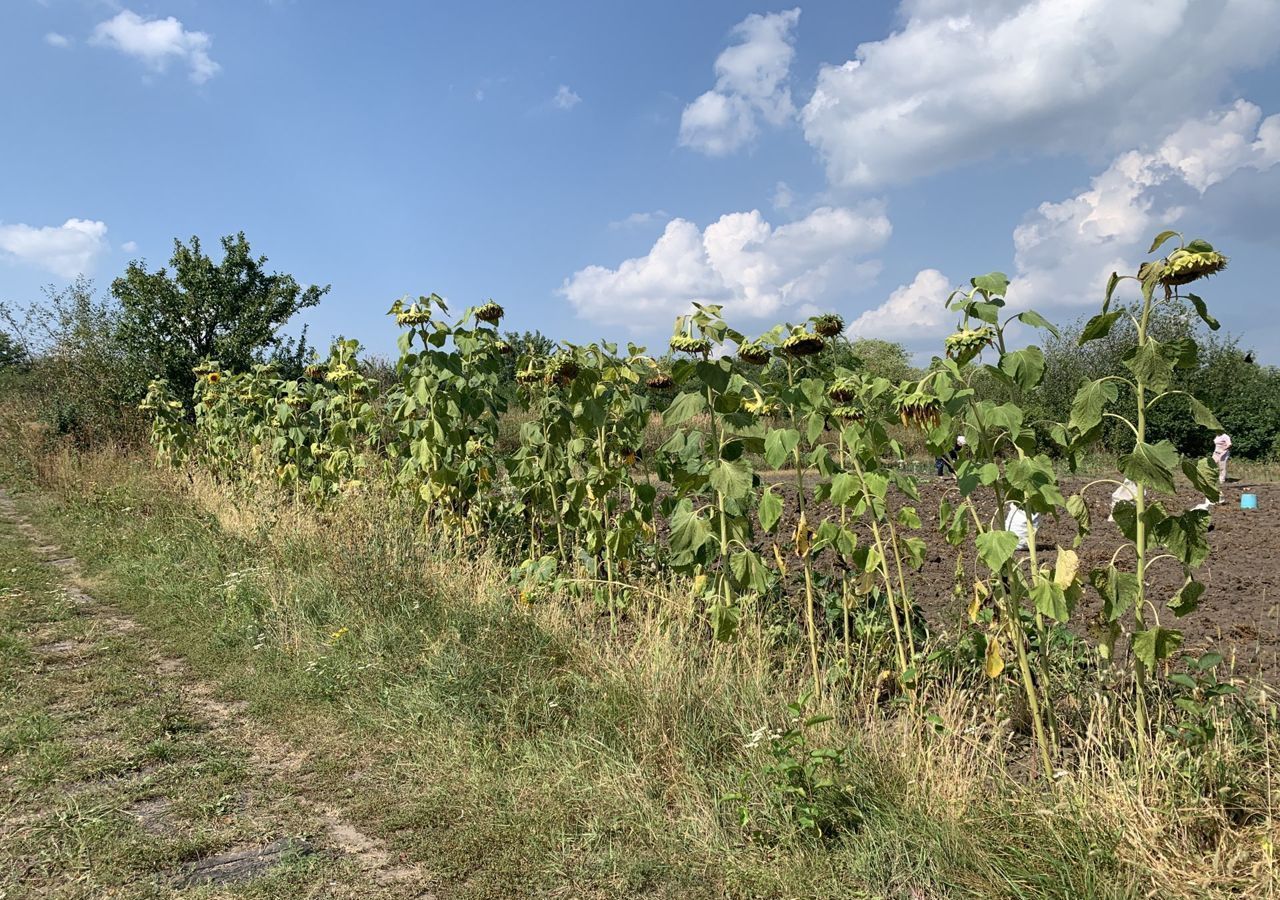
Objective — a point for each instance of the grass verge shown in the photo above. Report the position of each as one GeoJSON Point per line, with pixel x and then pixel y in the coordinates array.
{"type": "Point", "coordinates": [111, 783]}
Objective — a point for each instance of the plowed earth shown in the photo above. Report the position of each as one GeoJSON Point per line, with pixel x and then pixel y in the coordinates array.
{"type": "Point", "coordinates": [1238, 615]}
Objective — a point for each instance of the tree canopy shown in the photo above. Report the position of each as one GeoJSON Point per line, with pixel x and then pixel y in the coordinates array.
{"type": "Point", "coordinates": [12, 353]}
{"type": "Point", "coordinates": [231, 311]}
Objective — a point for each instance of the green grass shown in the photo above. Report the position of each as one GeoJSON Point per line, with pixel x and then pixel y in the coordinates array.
{"type": "Point", "coordinates": [110, 784]}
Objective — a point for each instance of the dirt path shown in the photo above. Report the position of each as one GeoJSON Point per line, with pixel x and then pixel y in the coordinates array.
{"type": "Point", "coordinates": [123, 775]}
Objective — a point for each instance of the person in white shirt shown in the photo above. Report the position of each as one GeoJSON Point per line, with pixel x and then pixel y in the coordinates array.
{"type": "Point", "coordinates": [1222, 453]}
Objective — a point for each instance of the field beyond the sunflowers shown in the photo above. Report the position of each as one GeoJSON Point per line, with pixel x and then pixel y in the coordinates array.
{"type": "Point", "coordinates": [1238, 615]}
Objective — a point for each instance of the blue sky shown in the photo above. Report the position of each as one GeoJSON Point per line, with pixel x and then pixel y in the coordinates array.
{"type": "Point", "coordinates": [594, 166]}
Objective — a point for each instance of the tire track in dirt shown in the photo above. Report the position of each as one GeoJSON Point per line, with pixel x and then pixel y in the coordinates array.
{"type": "Point", "coordinates": [271, 759]}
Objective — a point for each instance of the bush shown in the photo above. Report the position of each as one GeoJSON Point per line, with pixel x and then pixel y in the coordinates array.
{"type": "Point", "coordinates": [77, 376]}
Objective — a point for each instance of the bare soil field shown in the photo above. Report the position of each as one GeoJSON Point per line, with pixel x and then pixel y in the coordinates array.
{"type": "Point", "coordinates": [1238, 615]}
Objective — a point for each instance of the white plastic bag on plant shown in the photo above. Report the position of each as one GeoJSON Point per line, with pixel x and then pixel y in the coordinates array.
{"type": "Point", "coordinates": [1126, 493]}
{"type": "Point", "coordinates": [1015, 520]}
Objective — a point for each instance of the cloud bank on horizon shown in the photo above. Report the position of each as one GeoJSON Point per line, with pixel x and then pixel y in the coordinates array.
{"type": "Point", "coordinates": [740, 261]}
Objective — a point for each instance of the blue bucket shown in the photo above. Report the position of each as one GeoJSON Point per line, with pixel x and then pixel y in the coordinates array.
{"type": "Point", "coordinates": [1248, 501]}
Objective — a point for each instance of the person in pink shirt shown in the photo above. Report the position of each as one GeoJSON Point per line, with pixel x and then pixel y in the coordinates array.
{"type": "Point", "coordinates": [1221, 453]}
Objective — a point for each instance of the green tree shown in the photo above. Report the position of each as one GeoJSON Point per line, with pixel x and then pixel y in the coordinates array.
{"type": "Point", "coordinates": [883, 359]}
{"type": "Point", "coordinates": [231, 311]}
{"type": "Point", "coordinates": [1244, 395]}
{"type": "Point", "coordinates": [12, 354]}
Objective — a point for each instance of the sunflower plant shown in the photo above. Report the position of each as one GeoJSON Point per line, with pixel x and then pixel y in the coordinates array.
{"type": "Point", "coordinates": [1023, 597]}
{"type": "Point", "coordinates": [799, 380]}
{"type": "Point", "coordinates": [452, 394]}
{"type": "Point", "coordinates": [707, 462]}
{"type": "Point", "coordinates": [171, 432]}
{"type": "Point", "coordinates": [867, 468]}
{"type": "Point", "coordinates": [1154, 531]}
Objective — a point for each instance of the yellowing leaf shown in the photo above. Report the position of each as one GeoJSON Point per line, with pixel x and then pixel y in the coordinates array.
{"type": "Point", "coordinates": [1064, 570]}
{"type": "Point", "coordinates": [802, 537]}
{"type": "Point", "coordinates": [994, 663]}
{"type": "Point", "coordinates": [777, 557]}
{"type": "Point", "coordinates": [980, 593]}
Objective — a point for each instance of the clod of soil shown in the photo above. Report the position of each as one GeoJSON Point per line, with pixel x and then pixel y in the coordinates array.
{"type": "Point", "coordinates": [241, 864]}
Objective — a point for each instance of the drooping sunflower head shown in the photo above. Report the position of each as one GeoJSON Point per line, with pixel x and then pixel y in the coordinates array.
{"type": "Point", "coordinates": [828, 324]}
{"type": "Point", "coordinates": [803, 343]}
{"type": "Point", "coordinates": [503, 347]}
{"type": "Point", "coordinates": [627, 456]}
{"type": "Point", "coordinates": [1197, 260]}
{"type": "Point", "coordinates": [919, 409]}
{"type": "Point", "coordinates": [967, 343]}
{"type": "Point", "coordinates": [687, 343]}
{"type": "Point", "coordinates": [562, 368]}
{"type": "Point", "coordinates": [754, 353]}
{"type": "Point", "coordinates": [843, 390]}
{"type": "Point", "coordinates": [490, 312]}
{"type": "Point", "coordinates": [659, 381]}
{"type": "Point", "coordinates": [530, 374]}
{"type": "Point", "coordinates": [849, 413]}
{"type": "Point", "coordinates": [414, 315]}
{"type": "Point", "coordinates": [315, 372]}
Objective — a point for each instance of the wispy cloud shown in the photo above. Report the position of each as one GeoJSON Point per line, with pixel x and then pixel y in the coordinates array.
{"type": "Point", "coordinates": [783, 196]}
{"type": "Point", "coordinates": [54, 39]}
{"type": "Point", "coordinates": [637, 219]}
{"type": "Point", "coordinates": [565, 98]}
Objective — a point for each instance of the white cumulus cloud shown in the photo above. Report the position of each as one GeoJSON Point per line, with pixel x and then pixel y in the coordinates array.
{"type": "Point", "coordinates": [741, 261]}
{"type": "Point", "coordinates": [66, 250]}
{"type": "Point", "coordinates": [914, 314]}
{"type": "Point", "coordinates": [751, 84]}
{"type": "Point", "coordinates": [1065, 251]}
{"type": "Point", "coordinates": [565, 98]}
{"type": "Point", "coordinates": [158, 42]}
{"type": "Point", "coordinates": [962, 80]}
